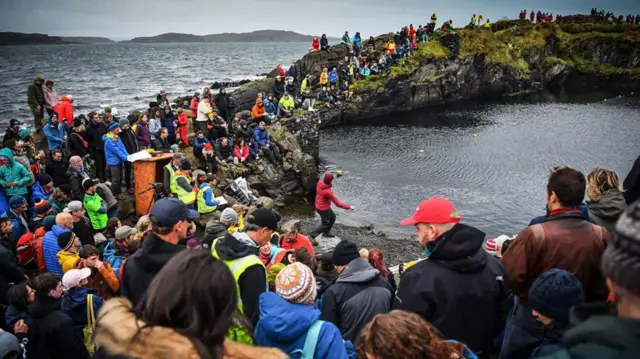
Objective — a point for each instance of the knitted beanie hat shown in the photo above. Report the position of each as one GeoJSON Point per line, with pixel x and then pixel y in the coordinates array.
{"type": "Point", "coordinates": [296, 284]}
{"type": "Point", "coordinates": [42, 206]}
{"type": "Point", "coordinates": [621, 259]}
{"type": "Point", "coordinates": [554, 293]}
{"type": "Point", "coordinates": [44, 179]}
{"type": "Point", "coordinates": [65, 240]}
{"type": "Point", "coordinates": [344, 253]}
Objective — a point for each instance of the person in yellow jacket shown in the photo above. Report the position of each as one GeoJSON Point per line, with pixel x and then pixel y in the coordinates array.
{"type": "Point", "coordinates": [391, 47]}
{"type": "Point", "coordinates": [324, 77]}
{"type": "Point", "coordinates": [68, 256]}
{"type": "Point", "coordinates": [184, 187]}
{"type": "Point", "coordinates": [240, 252]}
{"type": "Point", "coordinates": [487, 25]}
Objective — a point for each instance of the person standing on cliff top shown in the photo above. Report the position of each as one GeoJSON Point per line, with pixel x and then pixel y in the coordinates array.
{"type": "Point", "coordinates": [324, 197]}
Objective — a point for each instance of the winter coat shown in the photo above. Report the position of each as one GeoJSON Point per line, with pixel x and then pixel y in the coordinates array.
{"type": "Point", "coordinates": [129, 141]}
{"type": "Point", "coordinates": [118, 332]}
{"type": "Point", "coordinates": [144, 264]}
{"type": "Point", "coordinates": [96, 210]}
{"type": "Point", "coordinates": [155, 124]}
{"type": "Point", "coordinates": [292, 72]}
{"type": "Point", "coordinates": [269, 107]}
{"type": "Point", "coordinates": [244, 133]}
{"type": "Point", "coordinates": [607, 209]}
{"type": "Point", "coordinates": [241, 153]}
{"type": "Point", "coordinates": [77, 144]}
{"type": "Point", "coordinates": [315, 44]}
{"type": "Point", "coordinates": [448, 287]}
{"type": "Point", "coordinates": [113, 258]}
{"type": "Point", "coordinates": [50, 98]}
{"type": "Point", "coordinates": [35, 96]}
{"type": "Point", "coordinates": [142, 134]}
{"type": "Point", "coordinates": [323, 78]}
{"type": "Point", "coordinates": [183, 122]}
{"type": "Point", "coordinates": [57, 171]}
{"type": "Point", "coordinates": [596, 335]}
{"type": "Point", "coordinates": [169, 121]}
{"type": "Point", "coordinates": [287, 103]}
{"type": "Point", "coordinates": [333, 77]}
{"type": "Point", "coordinates": [324, 197]}
{"type": "Point", "coordinates": [222, 102]}
{"type": "Point", "coordinates": [55, 135]}
{"type": "Point", "coordinates": [276, 329]}
{"type": "Point", "coordinates": [162, 144]}
{"type": "Point", "coordinates": [12, 315]}
{"type": "Point", "coordinates": [94, 136]}
{"type": "Point", "coordinates": [278, 89]}
{"type": "Point", "coordinates": [114, 150]}
{"type": "Point", "coordinates": [261, 137]}
{"type": "Point", "coordinates": [14, 172]}
{"type": "Point", "coordinates": [358, 295]}
{"type": "Point", "coordinates": [19, 227]}
{"type": "Point", "coordinates": [324, 42]}
{"type": "Point", "coordinates": [253, 281]}
{"type": "Point", "coordinates": [52, 334]}
{"type": "Point", "coordinates": [257, 111]}
{"type": "Point", "coordinates": [300, 241]}
{"type": "Point", "coordinates": [38, 193]}
{"type": "Point", "coordinates": [67, 260]}
{"type": "Point", "coordinates": [198, 143]}
{"type": "Point", "coordinates": [21, 157]}
{"type": "Point", "coordinates": [64, 109]}
{"type": "Point", "coordinates": [204, 109]}
{"type": "Point", "coordinates": [9, 269]}
{"type": "Point", "coordinates": [290, 89]}
{"type": "Point", "coordinates": [565, 241]}
{"type": "Point", "coordinates": [50, 248]}
{"type": "Point", "coordinates": [193, 106]}
{"type": "Point", "coordinates": [74, 304]}
{"type": "Point", "coordinates": [75, 179]}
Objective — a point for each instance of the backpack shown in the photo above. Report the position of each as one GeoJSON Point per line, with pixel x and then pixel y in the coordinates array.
{"type": "Point", "coordinates": [26, 248]}
{"type": "Point", "coordinates": [88, 330]}
{"type": "Point", "coordinates": [310, 343]}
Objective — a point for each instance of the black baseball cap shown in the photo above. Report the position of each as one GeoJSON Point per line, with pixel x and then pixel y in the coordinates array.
{"type": "Point", "coordinates": [263, 217]}
{"type": "Point", "coordinates": [166, 212]}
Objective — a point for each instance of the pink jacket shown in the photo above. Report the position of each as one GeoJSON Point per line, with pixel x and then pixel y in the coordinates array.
{"type": "Point", "coordinates": [50, 98]}
{"type": "Point", "coordinates": [241, 153]}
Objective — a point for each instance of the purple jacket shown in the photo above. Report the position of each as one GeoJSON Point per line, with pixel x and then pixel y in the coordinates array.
{"type": "Point", "coordinates": [142, 134]}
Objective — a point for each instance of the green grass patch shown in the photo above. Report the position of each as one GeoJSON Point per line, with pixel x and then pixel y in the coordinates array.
{"type": "Point", "coordinates": [369, 84]}
{"type": "Point", "coordinates": [480, 41]}
{"type": "Point", "coordinates": [586, 66]}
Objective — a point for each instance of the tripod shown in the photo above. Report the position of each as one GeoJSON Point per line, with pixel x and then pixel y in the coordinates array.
{"type": "Point", "coordinates": [157, 194]}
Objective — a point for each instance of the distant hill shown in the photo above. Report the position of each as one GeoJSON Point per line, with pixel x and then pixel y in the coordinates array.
{"type": "Point", "coordinates": [87, 40]}
{"type": "Point", "coordinates": [17, 38]}
{"type": "Point", "coordinates": [255, 36]}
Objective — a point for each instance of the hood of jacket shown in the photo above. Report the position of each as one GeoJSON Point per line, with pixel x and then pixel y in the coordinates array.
{"type": "Point", "coordinates": [322, 185]}
{"type": "Point", "coordinates": [6, 152]}
{"type": "Point", "coordinates": [591, 323]}
{"type": "Point", "coordinates": [118, 331]}
{"type": "Point", "coordinates": [41, 307]}
{"type": "Point", "coordinates": [110, 136]}
{"type": "Point", "coordinates": [74, 298]}
{"type": "Point", "coordinates": [460, 249]}
{"type": "Point", "coordinates": [236, 246]}
{"type": "Point", "coordinates": [65, 99]}
{"type": "Point", "coordinates": [276, 314]}
{"type": "Point", "coordinates": [610, 206]}
{"type": "Point", "coordinates": [215, 228]}
{"type": "Point", "coordinates": [155, 252]}
{"type": "Point", "coordinates": [358, 271]}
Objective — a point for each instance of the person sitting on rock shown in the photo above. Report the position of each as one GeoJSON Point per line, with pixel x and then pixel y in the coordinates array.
{"type": "Point", "coordinates": [334, 93]}
{"type": "Point", "coordinates": [309, 100]}
{"type": "Point", "coordinates": [198, 145]}
{"type": "Point", "coordinates": [290, 87]}
{"type": "Point", "coordinates": [324, 43]}
{"type": "Point", "coordinates": [305, 83]}
{"type": "Point", "coordinates": [258, 113]}
{"type": "Point", "coordinates": [324, 77]}
{"type": "Point", "coordinates": [241, 152]}
{"type": "Point", "coordinates": [278, 88]}
{"type": "Point", "coordinates": [315, 44]}
{"type": "Point", "coordinates": [365, 72]}
{"type": "Point", "coordinates": [261, 137]}
{"type": "Point", "coordinates": [209, 156]}
{"type": "Point", "coordinates": [333, 77]}
{"type": "Point", "coordinates": [286, 106]}
{"type": "Point", "coordinates": [269, 106]}
{"type": "Point", "coordinates": [224, 152]}
{"type": "Point", "coordinates": [325, 97]}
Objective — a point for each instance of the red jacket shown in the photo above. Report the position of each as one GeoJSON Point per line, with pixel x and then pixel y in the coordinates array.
{"type": "Point", "coordinates": [300, 241]}
{"type": "Point", "coordinates": [241, 153]}
{"type": "Point", "coordinates": [183, 122]}
{"type": "Point", "coordinates": [324, 197]}
{"type": "Point", "coordinates": [194, 107]}
{"type": "Point", "coordinates": [281, 72]}
{"type": "Point", "coordinates": [315, 44]}
{"type": "Point", "coordinates": [64, 109]}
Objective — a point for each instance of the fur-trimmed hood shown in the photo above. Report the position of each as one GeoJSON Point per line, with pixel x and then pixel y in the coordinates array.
{"type": "Point", "coordinates": [117, 326]}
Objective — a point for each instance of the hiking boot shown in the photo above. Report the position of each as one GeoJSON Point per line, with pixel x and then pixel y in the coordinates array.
{"type": "Point", "coordinates": [313, 241]}
{"type": "Point", "coordinates": [328, 235]}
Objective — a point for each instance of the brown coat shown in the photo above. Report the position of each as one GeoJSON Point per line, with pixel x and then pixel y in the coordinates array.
{"type": "Point", "coordinates": [119, 332]}
{"type": "Point", "coordinates": [564, 241]}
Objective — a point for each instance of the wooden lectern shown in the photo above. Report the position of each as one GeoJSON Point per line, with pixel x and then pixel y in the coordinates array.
{"type": "Point", "coordinates": [144, 172]}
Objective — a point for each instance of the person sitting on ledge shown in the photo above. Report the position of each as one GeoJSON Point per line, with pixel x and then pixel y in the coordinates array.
{"type": "Point", "coordinates": [333, 77]}
{"type": "Point", "coordinates": [224, 151]}
{"type": "Point", "coordinates": [324, 96]}
{"type": "Point", "coordinates": [261, 137]}
{"type": "Point", "coordinates": [290, 86]}
{"type": "Point", "coordinates": [258, 113]}
{"type": "Point", "coordinates": [269, 106]}
{"type": "Point", "coordinates": [309, 100]}
{"type": "Point", "coordinates": [365, 72]}
{"type": "Point", "coordinates": [315, 44]}
{"type": "Point", "coordinates": [324, 43]}
{"type": "Point", "coordinates": [286, 106]}
{"type": "Point", "coordinates": [241, 152]}
{"type": "Point", "coordinates": [324, 77]}
{"type": "Point", "coordinates": [162, 142]}
{"type": "Point", "coordinates": [278, 88]}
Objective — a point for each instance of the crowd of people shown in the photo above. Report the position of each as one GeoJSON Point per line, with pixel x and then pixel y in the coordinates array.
{"type": "Point", "coordinates": [611, 17]}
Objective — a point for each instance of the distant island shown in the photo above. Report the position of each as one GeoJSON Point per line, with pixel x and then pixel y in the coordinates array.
{"type": "Point", "coordinates": [17, 38]}
{"type": "Point", "coordinates": [255, 36]}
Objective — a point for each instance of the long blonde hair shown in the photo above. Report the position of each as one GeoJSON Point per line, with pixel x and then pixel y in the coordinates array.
{"type": "Point", "coordinates": [599, 181]}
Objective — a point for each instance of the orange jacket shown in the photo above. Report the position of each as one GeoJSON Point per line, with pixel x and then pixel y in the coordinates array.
{"type": "Point", "coordinates": [40, 232]}
{"type": "Point", "coordinates": [323, 78]}
{"type": "Point", "coordinates": [64, 109]}
{"type": "Point", "coordinates": [103, 281]}
{"type": "Point", "coordinates": [300, 241]}
{"type": "Point", "coordinates": [257, 111]}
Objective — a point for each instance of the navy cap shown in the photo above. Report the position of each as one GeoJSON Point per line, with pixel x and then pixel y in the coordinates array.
{"type": "Point", "coordinates": [166, 212]}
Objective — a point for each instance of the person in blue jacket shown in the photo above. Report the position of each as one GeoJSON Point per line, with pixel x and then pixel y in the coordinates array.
{"type": "Point", "coordinates": [269, 107]}
{"type": "Point", "coordinates": [17, 210]}
{"type": "Point", "coordinates": [333, 76]}
{"type": "Point", "coordinates": [50, 247]}
{"type": "Point", "coordinates": [14, 177]}
{"type": "Point", "coordinates": [289, 322]}
{"type": "Point", "coordinates": [261, 137]}
{"type": "Point", "coordinates": [116, 154]}
{"type": "Point", "coordinates": [43, 188]}
{"type": "Point", "coordinates": [75, 298]}
{"type": "Point", "coordinates": [55, 132]}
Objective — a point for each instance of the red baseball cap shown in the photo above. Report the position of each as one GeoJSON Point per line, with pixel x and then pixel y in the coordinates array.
{"type": "Point", "coordinates": [435, 210]}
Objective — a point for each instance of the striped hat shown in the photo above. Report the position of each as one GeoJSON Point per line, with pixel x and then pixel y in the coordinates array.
{"type": "Point", "coordinates": [296, 284]}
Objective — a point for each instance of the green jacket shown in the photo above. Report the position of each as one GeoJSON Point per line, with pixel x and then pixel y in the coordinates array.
{"type": "Point", "coordinates": [287, 103]}
{"type": "Point", "coordinates": [598, 335]}
{"type": "Point", "coordinates": [97, 210]}
{"type": "Point", "coordinates": [14, 172]}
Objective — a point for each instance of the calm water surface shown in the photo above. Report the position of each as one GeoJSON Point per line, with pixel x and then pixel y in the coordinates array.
{"type": "Point", "coordinates": [497, 181]}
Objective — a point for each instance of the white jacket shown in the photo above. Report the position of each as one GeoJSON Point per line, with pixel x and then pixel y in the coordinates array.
{"type": "Point", "coordinates": [204, 109]}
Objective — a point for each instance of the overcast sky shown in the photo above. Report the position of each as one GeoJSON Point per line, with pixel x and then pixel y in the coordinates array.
{"type": "Point", "coordinates": [125, 19]}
